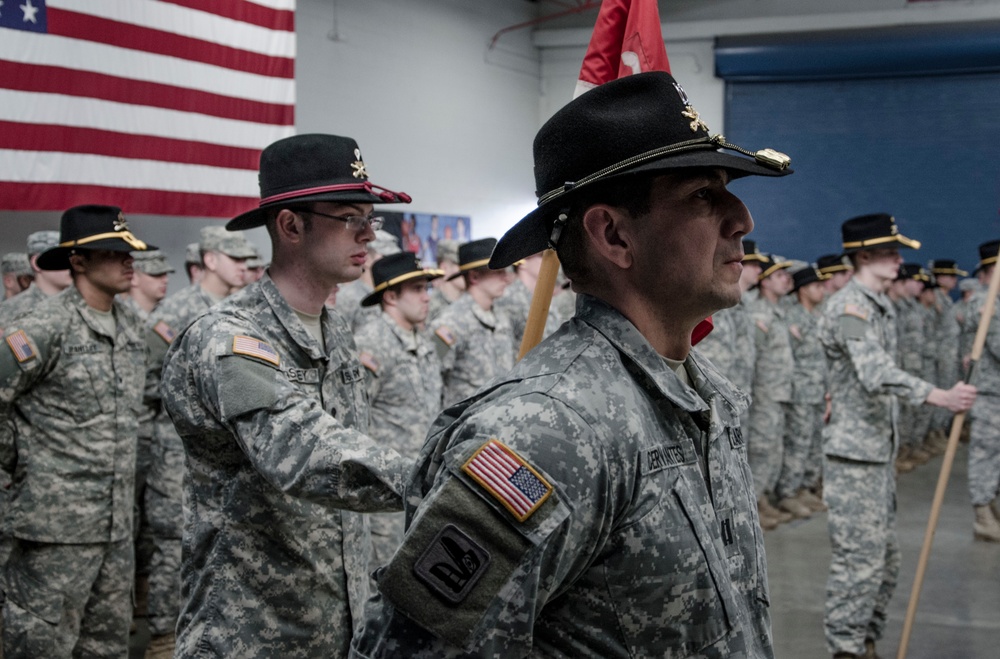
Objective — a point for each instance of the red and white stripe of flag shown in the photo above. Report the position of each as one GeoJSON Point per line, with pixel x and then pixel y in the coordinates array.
{"type": "Point", "coordinates": [158, 106]}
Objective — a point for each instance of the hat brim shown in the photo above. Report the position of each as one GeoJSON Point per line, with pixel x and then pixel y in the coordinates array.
{"type": "Point", "coordinates": [876, 243]}
{"type": "Point", "coordinates": [57, 258]}
{"type": "Point", "coordinates": [258, 216]}
{"type": "Point", "coordinates": [950, 271]}
{"type": "Point", "coordinates": [531, 234]}
{"type": "Point", "coordinates": [474, 265]}
{"type": "Point", "coordinates": [374, 297]}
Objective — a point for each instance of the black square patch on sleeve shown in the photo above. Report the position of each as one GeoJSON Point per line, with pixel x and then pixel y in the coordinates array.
{"type": "Point", "coordinates": [452, 564]}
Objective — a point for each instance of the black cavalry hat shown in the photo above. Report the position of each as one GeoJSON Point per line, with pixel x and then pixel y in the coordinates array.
{"type": "Point", "coordinates": [988, 254]}
{"type": "Point", "coordinates": [807, 275]}
{"type": "Point", "coordinates": [878, 229]}
{"type": "Point", "coordinates": [946, 267]}
{"type": "Point", "coordinates": [831, 263]}
{"type": "Point", "coordinates": [313, 167]}
{"type": "Point", "coordinates": [751, 252]}
{"type": "Point", "coordinates": [910, 271]}
{"type": "Point", "coordinates": [771, 263]}
{"type": "Point", "coordinates": [395, 269]}
{"type": "Point", "coordinates": [640, 123]}
{"type": "Point", "coordinates": [475, 254]}
{"type": "Point", "coordinates": [90, 227]}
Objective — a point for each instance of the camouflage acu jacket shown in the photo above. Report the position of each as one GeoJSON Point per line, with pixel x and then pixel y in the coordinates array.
{"type": "Point", "coordinates": [475, 347]}
{"type": "Point", "coordinates": [774, 366]}
{"type": "Point", "coordinates": [987, 375]}
{"type": "Point", "coordinates": [809, 376]}
{"type": "Point", "coordinates": [858, 332]}
{"type": "Point", "coordinates": [403, 377]}
{"type": "Point", "coordinates": [601, 536]}
{"type": "Point", "coordinates": [731, 346]}
{"type": "Point", "coordinates": [70, 392]}
{"type": "Point", "coordinates": [274, 564]}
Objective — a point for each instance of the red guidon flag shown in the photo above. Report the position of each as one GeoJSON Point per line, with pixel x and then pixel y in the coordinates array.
{"type": "Point", "coordinates": [157, 106]}
{"type": "Point", "coordinates": [626, 40]}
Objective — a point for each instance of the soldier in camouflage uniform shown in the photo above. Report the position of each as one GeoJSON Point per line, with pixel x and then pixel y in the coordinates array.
{"type": "Point", "coordinates": [946, 342]}
{"type": "Point", "coordinates": [446, 290]}
{"type": "Point", "coordinates": [859, 336]}
{"type": "Point", "coordinates": [268, 395]}
{"type": "Point", "coordinates": [349, 296]}
{"type": "Point", "coordinates": [149, 282]}
{"type": "Point", "coordinates": [839, 269]}
{"type": "Point", "coordinates": [46, 283]}
{"type": "Point", "coordinates": [17, 273]}
{"type": "Point", "coordinates": [984, 435]}
{"type": "Point", "coordinates": [71, 379]}
{"type": "Point", "coordinates": [621, 520]}
{"type": "Point", "coordinates": [474, 340]}
{"type": "Point", "coordinates": [150, 273]}
{"type": "Point", "coordinates": [911, 337]}
{"type": "Point", "coordinates": [772, 392]}
{"type": "Point", "coordinates": [224, 255]}
{"type": "Point", "coordinates": [516, 299]}
{"type": "Point", "coordinates": [802, 468]}
{"type": "Point", "coordinates": [403, 373]}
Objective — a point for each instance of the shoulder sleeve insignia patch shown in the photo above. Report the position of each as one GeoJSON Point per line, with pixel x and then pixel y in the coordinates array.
{"type": "Point", "coordinates": [445, 334]}
{"type": "Point", "coordinates": [164, 331]}
{"type": "Point", "coordinates": [21, 347]}
{"type": "Point", "coordinates": [852, 309]}
{"type": "Point", "coordinates": [368, 360]}
{"type": "Point", "coordinates": [251, 347]}
{"type": "Point", "coordinates": [511, 480]}
{"type": "Point", "coordinates": [452, 564]}
{"type": "Point", "coordinates": [762, 326]}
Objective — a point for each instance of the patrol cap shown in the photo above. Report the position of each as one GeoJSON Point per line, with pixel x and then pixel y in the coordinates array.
{"type": "Point", "coordinates": [967, 285]}
{"type": "Point", "coordinates": [39, 241]}
{"type": "Point", "coordinates": [313, 167]}
{"type": "Point", "coordinates": [233, 244]}
{"type": "Point", "coordinates": [873, 231]}
{"type": "Point", "coordinates": [447, 250]}
{"type": "Point", "coordinates": [639, 123]}
{"type": "Point", "coordinates": [16, 263]}
{"type": "Point", "coordinates": [946, 267]}
{"type": "Point", "coordinates": [255, 261]}
{"type": "Point", "coordinates": [153, 263]}
{"type": "Point", "coordinates": [395, 269]}
{"type": "Point", "coordinates": [771, 264]}
{"type": "Point", "coordinates": [474, 254]}
{"type": "Point", "coordinates": [807, 275]}
{"type": "Point", "coordinates": [831, 263]}
{"type": "Point", "coordinates": [385, 243]}
{"type": "Point", "coordinates": [192, 254]}
{"type": "Point", "coordinates": [90, 227]}
{"type": "Point", "coordinates": [988, 253]}
{"type": "Point", "coordinates": [751, 252]}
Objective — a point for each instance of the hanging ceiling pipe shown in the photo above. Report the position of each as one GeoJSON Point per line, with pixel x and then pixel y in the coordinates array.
{"type": "Point", "coordinates": [580, 7]}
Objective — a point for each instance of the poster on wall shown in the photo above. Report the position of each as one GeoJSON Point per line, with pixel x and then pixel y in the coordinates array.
{"type": "Point", "coordinates": [420, 232]}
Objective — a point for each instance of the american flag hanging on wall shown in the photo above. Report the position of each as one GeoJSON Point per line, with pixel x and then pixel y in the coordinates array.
{"type": "Point", "coordinates": [157, 106]}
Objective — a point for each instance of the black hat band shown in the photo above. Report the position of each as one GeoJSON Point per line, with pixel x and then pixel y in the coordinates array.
{"type": "Point", "coordinates": [767, 157]}
{"type": "Point", "coordinates": [125, 236]}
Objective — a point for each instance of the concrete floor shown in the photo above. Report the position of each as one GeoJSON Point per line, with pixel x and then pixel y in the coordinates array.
{"type": "Point", "coordinates": [959, 612]}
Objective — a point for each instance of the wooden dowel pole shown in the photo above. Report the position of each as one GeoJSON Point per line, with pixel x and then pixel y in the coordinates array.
{"type": "Point", "coordinates": [540, 302]}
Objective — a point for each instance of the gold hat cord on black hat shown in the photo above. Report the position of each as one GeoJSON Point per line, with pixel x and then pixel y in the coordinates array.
{"type": "Point", "coordinates": [125, 236]}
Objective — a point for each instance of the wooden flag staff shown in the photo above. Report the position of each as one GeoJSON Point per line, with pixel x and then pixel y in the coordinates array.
{"type": "Point", "coordinates": [540, 302]}
{"type": "Point", "coordinates": [949, 457]}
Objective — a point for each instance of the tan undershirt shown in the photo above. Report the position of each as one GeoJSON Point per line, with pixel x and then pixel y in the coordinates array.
{"type": "Point", "coordinates": [313, 325]}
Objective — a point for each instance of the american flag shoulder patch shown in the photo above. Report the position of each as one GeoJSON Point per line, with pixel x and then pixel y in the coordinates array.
{"type": "Point", "coordinates": [368, 360]}
{"type": "Point", "coordinates": [445, 334]}
{"type": "Point", "coordinates": [164, 331]}
{"type": "Point", "coordinates": [852, 309]}
{"type": "Point", "coordinates": [508, 478]}
{"type": "Point", "coordinates": [251, 347]}
{"type": "Point", "coordinates": [21, 347]}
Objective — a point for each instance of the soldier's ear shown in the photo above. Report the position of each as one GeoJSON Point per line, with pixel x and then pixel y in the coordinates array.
{"type": "Point", "coordinates": [609, 234]}
{"type": "Point", "coordinates": [290, 226]}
